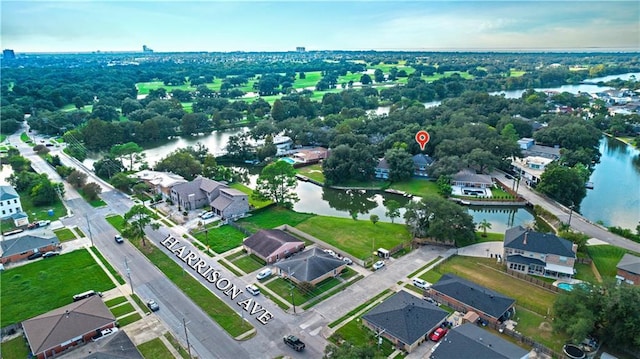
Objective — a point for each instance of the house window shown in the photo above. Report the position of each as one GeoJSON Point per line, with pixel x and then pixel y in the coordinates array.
{"type": "Point", "coordinates": [563, 259]}
{"type": "Point", "coordinates": [15, 201]}
{"type": "Point", "coordinates": [17, 209]}
{"type": "Point", "coordinates": [4, 212]}
{"type": "Point", "coordinates": [10, 210]}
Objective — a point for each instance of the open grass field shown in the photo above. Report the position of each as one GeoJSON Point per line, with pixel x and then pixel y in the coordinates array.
{"type": "Point", "coordinates": [64, 234]}
{"type": "Point", "coordinates": [71, 107]}
{"type": "Point", "coordinates": [41, 212]}
{"type": "Point", "coordinates": [314, 172]}
{"type": "Point", "coordinates": [16, 348]}
{"type": "Point", "coordinates": [156, 349]}
{"type": "Point", "coordinates": [358, 238]}
{"type": "Point", "coordinates": [116, 221]}
{"type": "Point", "coordinates": [606, 258]}
{"type": "Point", "coordinates": [310, 80]}
{"type": "Point", "coordinates": [218, 310]}
{"type": "Point", "coordinates": [437, 76]}
{"type": "Point", "coordinates": [283, 288]}
{"type": "Point", "coordinates": [358, 335]}
{"type": "Point", "coordinates": [35, 288]}
{"type": "Point", "coordinates": [248, 263]}
{"type": "Point", "coordinates": [516, 73]}
{"type": "Point", "coordinates": [272, 217]}
{"type": "Point", "coordinates": [417, 187]}
{"type": "Point", "coordinates": [221, 239]}
{"type": "Point", "coordinates": [255, 203]}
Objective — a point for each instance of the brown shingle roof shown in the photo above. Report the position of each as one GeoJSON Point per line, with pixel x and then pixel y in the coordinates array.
{"type": "Point", "coordinates": [267, 241]}
{"type": "Point", "coordinates": [65, 323]}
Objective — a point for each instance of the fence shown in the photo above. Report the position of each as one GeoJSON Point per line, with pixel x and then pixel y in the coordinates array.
{"type": "Point", "coordinates": [533, 280]}
{"type": "Point", "coordinates": [10, 329]}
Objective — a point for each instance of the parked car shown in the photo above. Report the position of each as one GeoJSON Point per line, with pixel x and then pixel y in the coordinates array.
{"type": "Point", "coordinates": [105, 332]}
{"type": "Point", "coordinates": [421, 283]}
{"type": "Point", "coordinates": [377, 265]}
{"type": "Point", "coordinates": [50, 254]}
{"type": "Point", "coordinates": [294, 342]}
{"type": "Point", "coordinates": [35, 255]}
{"type": "Point", "coordinates": [207, 215]}
{"type": "Point", "coordinates": [432, 301]}
{"type": "Point", "coordinates": [347, 260]}
{"type": "Point", "coordinates": [153, 306]}
{"type": "Point", "coordinates": [87, 294]}
{"type": "Point", "coordinates": [330, 252]}
{"type": "Point", "coordinates": [253, 289]}
{"type": "Point", "coordinates": [44, 223]}
{"type": "Point", "coordinates": [118, 238]}
{"type": "Point", "coordinates": [264, 273]}
{"type": "Point", "coordinates": [438, 334]}
{"type": "Point", "coordinates": [32, 225]}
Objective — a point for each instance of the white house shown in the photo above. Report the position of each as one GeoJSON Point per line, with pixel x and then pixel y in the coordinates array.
{"type": "Point", "coordinates": [11, 207]}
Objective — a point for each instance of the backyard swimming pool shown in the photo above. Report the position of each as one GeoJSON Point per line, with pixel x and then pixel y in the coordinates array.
{"type": "Point", "coordinates": [568, 286]}
{"type": "Point", "coordinates": [288, 160]}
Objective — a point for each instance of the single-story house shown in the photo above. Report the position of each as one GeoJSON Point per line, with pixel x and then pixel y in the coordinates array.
{"type": "Point", "coordinates": [420, 164]}
{"type": "Point", "coordinates": [382, 169]}
{"type": "Point", "coordinates": [160, 182]}
{"type": "Point", "coordinates": [470, 341]}
{"type": "Point", "coordinates": [311, 266]}
{"type": "Point", "coordinates": [311, 155]}
{"type": "Point", "coordinates": [203, 192]}
{"type": "Point", "coordinates": [11, 206]}
{"type": "Point", "coordinates": [536, 253]}
{"type": "Point", "coordinates": [629, 269]}
{"type": "Point", "coordinates": [404, 319]}
{"type": "Point", "coordinates": [115, 346]}
{"type": "Point", "coordinates": [469, 178]}
{"type": "Point", "coordinates": [20, 246]}
{"type": "Point", "coordinates": [464, 295]}
{"type": "Point", "coordinates": [61, 329]}
{"type": "Point", "coordinates": [272, 245]}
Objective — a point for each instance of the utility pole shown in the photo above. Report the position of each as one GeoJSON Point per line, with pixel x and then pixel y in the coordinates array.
{"type": "Point", "coordinates": [378, 334]}
{"type": "Point", "coordinates": [126, 265]}
{"type": "Point", "coordinates": [570, 214]}
{"type": "Point", "coordinates": [291, 289]}
{"type": "Point", "coordinates": [186, 335]}
{"type": "Point", "coordinates": [86, 216]}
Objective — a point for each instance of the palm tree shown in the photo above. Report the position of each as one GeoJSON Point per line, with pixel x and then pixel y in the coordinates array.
{"type": "Point", "coordinates": [484, 225]}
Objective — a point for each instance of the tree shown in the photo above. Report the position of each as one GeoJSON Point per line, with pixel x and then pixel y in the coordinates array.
{"type": "Point", "coordinates": [378, 75]}
{"type": "Point", "coordinates": [180, 162]}
{"type": "Point", "coordinates": [393, 209]}
{"type": "Point", "coordinates": [444, 186]}
{"type": "Point", "coordinates": [365, 79]}
{"type": "Point", "coordinates": [77, 178]}
{"type": "Point", "coordinates": [267, 150]}
{"type": "Point", "coordinates": [565, 185]}
{"type": "Point", "coordinates": [44, 192]}
{"type": "Point", "coordinates": [136, 219]}
{"type": "Point", "coordinates": [128, 150]}
{"type": "Point", "coordinates": [482, 159]}
{"type": "Point", "coordinates": [374, 218]}
{"type": "Point", "coordinates": [438, 218]}
{"type": "Point", "coordinates": [122, 182]}
{"type": "Point", "coordinates": [92, 190]}
{"type": "Point", "coordinates": [484, 225]}
{"type": "Point", "coordinates": [400, 164]}
{"type": "Point", "coordinates": [107, 167]}
{"type": "Point", "coordinates": [277, 182]}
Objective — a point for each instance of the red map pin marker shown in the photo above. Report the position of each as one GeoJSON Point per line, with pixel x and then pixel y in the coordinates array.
{"type": "Point", "coordinates": [422, 137]}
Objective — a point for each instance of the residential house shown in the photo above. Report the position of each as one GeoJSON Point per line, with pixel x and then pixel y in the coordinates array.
{"type": "Point", "coordinates": [404, 319]}
{"type": "Point", "coordinates": [20, 246]}
{"type": "Point", "coordinates": [471, 341]}
{"type": "Point", "coordinates": [272, 245]}
{"type": "Point", "coordinates": [536, 253]}
{"type": "Point", "coordinates": [421, 163]}
{"type": "Point", "coordinates": [313, 266]}
{"type": "Point", "coordinates": [69, 326]}
{"type": "Point", "coordinates": [160, 182]}
{"type": "Point", "coordinates": [469, 178]}
{"type": "Point", "coordinates": [11, 207]}
{"type": "Point", "coordinates": [463, 295]}
{"type": "Point", "coordinates": [311, 155]}
{"type": "Point", "coordinates": [382, 169]}
{"type": "Point", "coordinates": [115, 346]}
{"type": "Point", "coordinates": [629, 269]}
{"type": "Point", "coordinates": [531, 168]}
{"type": "Point", "coordinates": [203, 192]}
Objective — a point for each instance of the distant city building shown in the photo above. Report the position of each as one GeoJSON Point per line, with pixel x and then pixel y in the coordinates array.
{"type": "Point", "coordinates": [301, 49]}
{"type": "Point", "coordinates": [145, 48]}
{"type": "Point", "coordinates": [8, 54]}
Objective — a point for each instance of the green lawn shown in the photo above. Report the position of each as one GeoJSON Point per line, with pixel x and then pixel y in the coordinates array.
{"type": "Point", "coordinates": [16, 348]}
{"type": "Point", "coordinates": [272, 217]}
{"type": "Point", "coordinates": [491, 237]}
{"type": "Point", "coordinates": [282, 287]}
{"type": "Point", "coordinates": [116, 221]}
{"type": "Point", "coordinates": [417, 187]}
{"type": "Point", "coordinates": [360, 307]}
{"type": "Point", "coordinates": [359, 335]}
{"type": "Point", "coordinates": [314, 172]}
{"type": "Point", "coordinates": [437, 76]}
{"type": "Point", "coordinates": [123, 309]}
{"type": "Point", "coordinates": [424, 267]}
{"type": "Point", "coordinates": [33, 289]}
{"type": "Point", "coordinates": [155, 349]}
{"type": "Point", "coordinates": [115, 301]}
{"type": "Point", "coordinates": [218, 310]}
{"type": "Point", "coordinates": [129, 319]}
{"type": "Point", "coordinates": [248, 263]}
{"type": "Point", "coordinates": [585, 273]}
{"type": "Point", "coordinates": [2, 137]}
{"type": "Point", "coordinates": [310, 80]}
{"type": "Point", "coordinates": [140, 303]}
{"type": "Point", "coordinates": [174, 342]}
{"type": "Point", "coordinates": [41, 212]}
{"type": "Point", "coordinates": [254, 203]}
{"type": "Point", "coordinates": [79, 232]}
{"type": "Point", "coordinates": [358, 238]}
{"type": "Point", "coordinates": [221, 239]}
{"type": "Point", "coordinates": [606, 258]}
{"type": "Point", "coordinates": [516, 73]}
{"type": "Point", "coordinates": [108, 265]}
{"type": "Point", "coordinates": [24, 137]}
{"type": "Point", "coordinates": [65, 234]}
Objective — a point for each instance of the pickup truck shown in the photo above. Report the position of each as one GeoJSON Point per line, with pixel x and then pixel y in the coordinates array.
{"type": "Point", "coordinates": [293, 341]}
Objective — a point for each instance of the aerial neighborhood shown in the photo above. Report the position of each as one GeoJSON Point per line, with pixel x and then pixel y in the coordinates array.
{"type": "Point", "coordinates": [287, 204]}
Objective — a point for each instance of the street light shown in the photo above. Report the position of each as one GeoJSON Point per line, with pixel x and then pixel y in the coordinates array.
{"type": "Point", "coordinates": [126, 265]}
{"type": "Point", "coordinates": [570, 213]}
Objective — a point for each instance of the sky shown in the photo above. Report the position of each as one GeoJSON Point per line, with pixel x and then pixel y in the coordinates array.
{"type": "Point", "coordinates": [168, 26]}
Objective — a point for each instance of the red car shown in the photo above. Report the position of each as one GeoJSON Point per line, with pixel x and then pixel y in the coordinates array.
{"type": "Point", "coordinates": [438, 334]}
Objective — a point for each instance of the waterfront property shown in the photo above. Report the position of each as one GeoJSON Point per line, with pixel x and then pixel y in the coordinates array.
{"type": "Point", "coordinates": [224, 202]}
{"type": "Point", "coordinates": [160, 182]}
{"type": "Point", "coordinates": [629, 270]}
{"type": "Point", "coordinates": [312, 266]}
{"type": "Point", "coordinates": [404, 319]}
{"type": "Point", "coordinates": [382, 169]}
{"type": "Point", "coordinates": [421, 163]}
{"type": "Point", "coordinates": [463, 295]}
{"type": "Point", "coordinates": [471, 341]}
{"type": "Point", "coordinates": [272, 245]}
{"type": "Point", "coordinates": [54, 332]}
{"type": "Point", "coordinates": [469, 178]}
{"type": "Point", "coordinates": [536, 253]}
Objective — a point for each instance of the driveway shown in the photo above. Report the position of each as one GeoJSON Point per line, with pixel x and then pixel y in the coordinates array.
{"type": "Point", "coordinates": [484, 250]}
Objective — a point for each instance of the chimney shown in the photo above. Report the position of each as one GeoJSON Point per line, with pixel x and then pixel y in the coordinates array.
{"type": "Point", "coordinates": [524, 241]}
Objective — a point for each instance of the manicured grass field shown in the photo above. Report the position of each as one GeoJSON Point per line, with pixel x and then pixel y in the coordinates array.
{"type": "Point", "coordinates": [122, 310]}
{"type": "Point", "coordinates": [16, 348]}
{"type": "Point", "coordinates": [41, 286]}
{"type": "Point", "coordinates": [218, 310]}
{"type": "Point", "coordinates": [221, 239]}
{"type": "Point", "coordinates": [115, 301]}
{"type": "Point", "coordinates": [129, 319]}
{"type": "Point", "coordinates": [358, 335]}
{"type": "Point", "coordinates": [314, 172]}
{"type": "Point", "coordinates": [156, 349]}
{"type": "Point", "coordinates": [358, 238]}
{"type": "Point", "coordinates": [64, 234]}
{"type": "Point", "coordinates": [437, 76]}
{"type": "Point", "coordinates": [272, 217]}
{"type": "Point", "coordinates": [310, 80]}
{"type": "Point", "coordinates": [283, 288]}
{"type": "Point", "coordinates": [606, 258]}
{"type": "Point", "coordinates": [41, 212]}
{"type": "Point", "coordinates": [516, 73]}
{"type": "Point", "coordinates": [491, 237]}
{"type": "Point", "coordinates": [248, 263]}
{"type": "Point", "coordinates": [417, 186]}
{"type": "Point", "coordinates": [116, 221]}
{"type": "Point", "coordinates": [254, 203]}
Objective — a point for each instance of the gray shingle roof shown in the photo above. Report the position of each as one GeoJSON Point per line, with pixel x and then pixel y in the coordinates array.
{"type": "Point", "coordinates": [470, 341]}
{"type": "Point", "coordinates": [422, 160]}
{"type": "Point", "coordinates": [474, 295]}
{"type": "Point", "coordinates": [60, 325]}
{"type": "Point", "coordinates": [309, 265]}
{"type": "Point", "coordinates": [199, 186]}
{"type": "Point", "coordinates": [7, 192]}
{"type": "Point", "coordinates": [267, 241]}
{"type": "Point", "coordinates": [531, 241]}
{"type": "Point", "coordinates": [221, 202]}
{"type": "Point", "coordinates": [406, 317]}
{"type": "Point", "coordinates": [630, 263]}
{"type": "Point", "coordinates": [525, 260]}
{"type": "Point", "coordinates": [468, 175]}
{"type": "Point", "coordinates": [26, 242]}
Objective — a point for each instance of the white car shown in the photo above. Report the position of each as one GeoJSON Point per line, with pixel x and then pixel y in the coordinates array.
{"type": "Point", "coordinates": [263, 274]}
{"type": "Point", "coordinates": [377, 265]}
{"type": "Point", "coordinates": [347, 260]}
{"type": "Point", "coordinates": [207, 215]}
{"type": "Point", "coordinates": [330, 252]}
{"type": "Point", "coordinates": [421, 283]}
{"type": "Point", "coordinates": [253, 289]}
